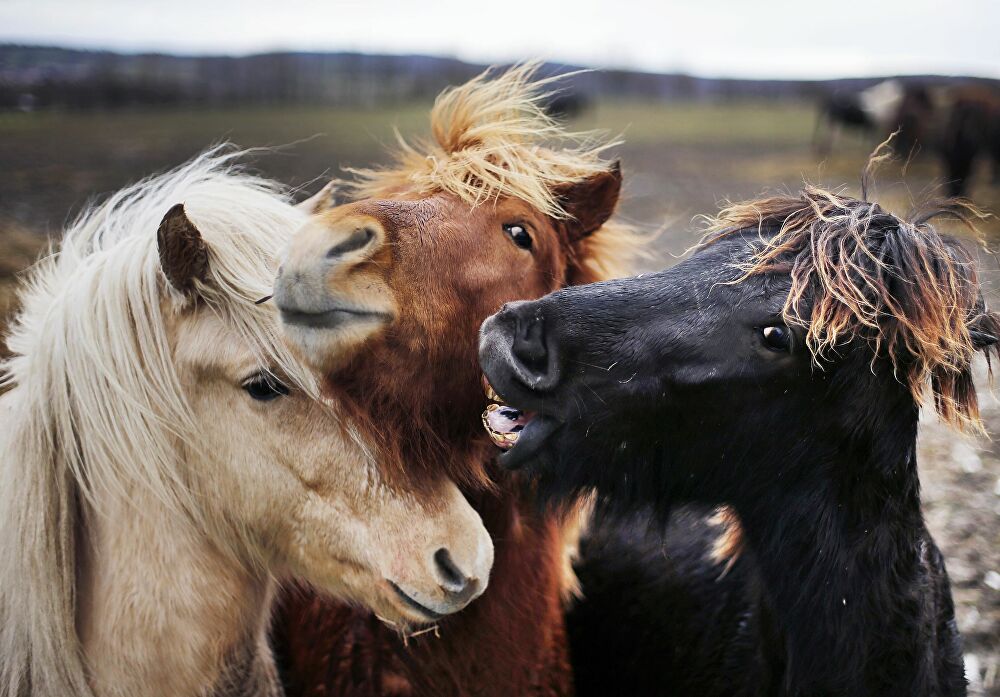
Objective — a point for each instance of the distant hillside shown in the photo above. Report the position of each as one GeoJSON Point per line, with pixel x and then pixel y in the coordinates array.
{"type": "Point", "coordinates": [35, 77]}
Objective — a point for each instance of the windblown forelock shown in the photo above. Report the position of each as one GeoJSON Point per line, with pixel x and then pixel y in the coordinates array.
{"type": "Point", "coordinates": [859, 272]}
{"type": "Point", "coordinates": [493, 139]}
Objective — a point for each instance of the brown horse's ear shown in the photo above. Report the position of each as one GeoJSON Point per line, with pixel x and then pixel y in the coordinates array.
{"type": "Point", "coordinates": [591, 201]}
{"type": "Point", "coordinates": [322, 200]}
{"type": "Point", "coordinates": [183, 252]}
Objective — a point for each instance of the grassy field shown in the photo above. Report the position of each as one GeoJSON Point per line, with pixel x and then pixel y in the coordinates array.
{"type": "Point", "coordinates": [680, 160]}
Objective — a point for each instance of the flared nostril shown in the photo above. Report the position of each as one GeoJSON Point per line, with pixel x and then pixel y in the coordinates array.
{"type": "Point", "coordinates": [452, 579]}
{"type": "Point", "coordinates": [528, 345]}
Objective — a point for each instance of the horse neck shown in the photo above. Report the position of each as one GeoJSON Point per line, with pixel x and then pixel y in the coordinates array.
{"type": "Point", "coordinates": [850, 576]}
{"type": "Point", "coordinates": [163, 612]}
{"type": "Point", "coordinates": [511, 640]}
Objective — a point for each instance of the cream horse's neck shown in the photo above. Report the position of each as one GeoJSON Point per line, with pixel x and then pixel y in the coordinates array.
{"type": "Point", "coordinates": [161, 612]}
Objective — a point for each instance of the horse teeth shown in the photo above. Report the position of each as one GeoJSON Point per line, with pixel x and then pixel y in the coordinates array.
{"type": "Point", "coordinates": [505, 441]}
{"type": "Point", "coordinates": [491, 394]}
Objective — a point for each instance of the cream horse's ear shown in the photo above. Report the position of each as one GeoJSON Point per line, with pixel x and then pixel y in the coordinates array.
{"type": "Point", "coordinates": [183, 252]}
{"type": "Point", "coordinates": [322, 200]}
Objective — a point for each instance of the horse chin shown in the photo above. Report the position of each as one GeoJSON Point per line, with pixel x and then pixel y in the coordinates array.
{"type": "Point", "coordinates": [532, 443]}
{"type": "Point", "coordinates": [397, 607]}
{"type": "Point", "coordinates": [327, 348]}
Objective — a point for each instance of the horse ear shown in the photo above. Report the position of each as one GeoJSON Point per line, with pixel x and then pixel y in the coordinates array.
{"type": "Point", "coordinates": [591, 201]}
{"type": "Point", "coordinates": [982, 340]}
{"type": "Point", "coordinates": [322, 200]}
{"type": "Point", "coordinates": [183, 252]}
{"type": "Point", "coordinates": [984, 329]}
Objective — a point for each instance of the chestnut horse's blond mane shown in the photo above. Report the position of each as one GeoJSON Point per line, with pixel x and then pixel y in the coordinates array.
{"type": "Point", "coordinates": [492, 139]}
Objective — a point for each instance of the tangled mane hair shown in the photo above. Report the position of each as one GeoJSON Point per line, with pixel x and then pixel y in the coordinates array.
{"type": "Point", "coordinates": [96, 407]}
{"type": "Point", "coordinates": [493, 139]}
{"type": "Point", "coordinates": [858, 271]}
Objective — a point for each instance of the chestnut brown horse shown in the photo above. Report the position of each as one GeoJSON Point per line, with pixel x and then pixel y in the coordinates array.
{"type": "Point", "coordinates": [385, 295]}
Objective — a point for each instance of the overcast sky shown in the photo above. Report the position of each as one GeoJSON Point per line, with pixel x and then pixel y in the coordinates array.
{"type": "Point", "coordinates": [737, 38]}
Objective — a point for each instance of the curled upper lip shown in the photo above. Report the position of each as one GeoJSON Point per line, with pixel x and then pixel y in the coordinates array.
{"type": "Point", "coordinates": [329, 316]}
{"type": "Point", "coordinates": [511, 392]}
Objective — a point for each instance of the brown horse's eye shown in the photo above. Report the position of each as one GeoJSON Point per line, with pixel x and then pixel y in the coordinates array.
{"type": "Point", "coordinates": [519, 234]}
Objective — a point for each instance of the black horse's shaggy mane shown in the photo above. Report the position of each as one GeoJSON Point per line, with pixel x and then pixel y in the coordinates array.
{"type": "Point", "coordinates": [858, 271]}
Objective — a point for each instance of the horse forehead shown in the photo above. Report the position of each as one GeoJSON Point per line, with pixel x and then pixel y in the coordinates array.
{"type": "Point", "coordinates": [405, 213]}
{"type": "Point", "coordinates": [203, 342]}
{"type": "Point", "coordinates": [716, 273]}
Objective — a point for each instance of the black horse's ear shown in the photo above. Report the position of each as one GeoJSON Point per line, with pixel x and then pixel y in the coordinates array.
{"type": "Point", "coordinates": [591, 202]}
{"type": "Point", "coordinates": [982, 340]}
{"type": "Point", "coordinates": [183, 252]}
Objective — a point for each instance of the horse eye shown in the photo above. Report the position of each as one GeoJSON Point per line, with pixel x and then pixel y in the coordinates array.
{"type": "Point", "coordinates": [519, 235]}
{"type": "Point", "coordinates": [777, 337]}
{"type": "Point", "coordinates": [264, 387]}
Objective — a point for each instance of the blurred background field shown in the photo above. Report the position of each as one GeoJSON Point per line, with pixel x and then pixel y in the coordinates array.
{"type": "Point", "coordinates": [681, 158]}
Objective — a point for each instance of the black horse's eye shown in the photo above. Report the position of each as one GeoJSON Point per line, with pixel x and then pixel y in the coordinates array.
{"type": "Point", "coordinates": [519, 234]}
{"type": "Point", "coordinates": [777, 337]}
{"type": "Point", "coordinates": [264, 387]}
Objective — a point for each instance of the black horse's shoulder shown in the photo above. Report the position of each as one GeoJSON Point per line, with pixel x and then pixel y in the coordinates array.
{"type": "Point", "coordinates": [660, 615]}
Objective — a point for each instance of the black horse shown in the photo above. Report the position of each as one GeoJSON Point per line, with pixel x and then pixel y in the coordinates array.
{"type": "Point", "coordinates": [777, 371]}
{"type": "Point", "coordinates": [839, 111]}
{"type": "Point", "coordinates": [971, 133]}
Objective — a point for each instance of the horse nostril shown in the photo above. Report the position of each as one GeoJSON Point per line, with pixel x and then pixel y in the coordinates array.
{"type": "Point", "coordinates": [359, 239]}
{"type": "Point", "coordinates": [528, 345]}
{"type": "Point", "coordinates": [452, 578]}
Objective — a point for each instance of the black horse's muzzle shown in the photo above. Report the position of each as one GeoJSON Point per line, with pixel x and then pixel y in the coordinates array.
{"type": "Point", "coordinates": [514, 341]}
{"type": "Point", "coordinates": [521, 366]}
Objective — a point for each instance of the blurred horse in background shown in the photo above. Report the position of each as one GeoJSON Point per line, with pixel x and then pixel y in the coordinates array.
{"type": "Point", "coordinates": [971, 135]}
{"type": "Point", "coordinates": [872, 112]}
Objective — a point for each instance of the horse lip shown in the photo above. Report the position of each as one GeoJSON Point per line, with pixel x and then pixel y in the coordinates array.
{"type": "Point", "coordinates": [413, 604]}
{"type": "Point", "coordinates": [533, 438]}
{"type": "Point", "coordinates": [330, 318]}
{"type": "Point", "coordinates": [542, 426]}
{"type": "Point", "coordinates": [505, 382]}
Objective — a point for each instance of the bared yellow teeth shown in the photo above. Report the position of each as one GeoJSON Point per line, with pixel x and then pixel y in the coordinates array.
{"type": "Point", "coordinates": [500, 439]}
{"type": "Point", "coordinates": [491, 394]}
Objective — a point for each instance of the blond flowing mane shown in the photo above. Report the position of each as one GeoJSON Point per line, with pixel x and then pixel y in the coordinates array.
{"type": "Point", "coordinates": [858, 271]}
{"type": "Point", "coordinates": [492, 139]}
{"type": "Point", "coordinates": [96, 408]}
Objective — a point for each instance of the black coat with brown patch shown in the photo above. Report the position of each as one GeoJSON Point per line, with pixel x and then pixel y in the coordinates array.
{"type": "Point", "coordinates": [777, 371]}
{"type": "Point", "coordinates": [661, 615]}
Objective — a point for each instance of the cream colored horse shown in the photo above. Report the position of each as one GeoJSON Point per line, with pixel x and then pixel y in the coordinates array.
{"type": "Point", "coordinates": [164, 459]}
